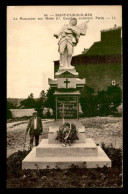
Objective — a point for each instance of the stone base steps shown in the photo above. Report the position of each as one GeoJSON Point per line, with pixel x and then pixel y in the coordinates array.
{"type": "Point", "coordinates": [36, 161]}
{"type": "Point", "coordinates": [76, 149]}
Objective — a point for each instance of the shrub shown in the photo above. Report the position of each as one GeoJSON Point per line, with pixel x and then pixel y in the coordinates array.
{"type": "Point", "coordinates": [114, 154]}
{"type": "Point", "coordinates": [9, 114]}
{"type": "Point", "coordinates": [103, 103]}
{"type": "Point", "coordinates": [14, 162]}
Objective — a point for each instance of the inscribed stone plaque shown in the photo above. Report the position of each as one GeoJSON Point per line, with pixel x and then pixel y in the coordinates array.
{"type": "Point", "coordinates": [67, 106]}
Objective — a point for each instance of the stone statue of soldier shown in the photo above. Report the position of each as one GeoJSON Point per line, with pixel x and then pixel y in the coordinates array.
{"type": "Point", "coordinates": [69, 37]}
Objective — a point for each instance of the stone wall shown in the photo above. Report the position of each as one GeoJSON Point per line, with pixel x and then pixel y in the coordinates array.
{"type": "Point", "coordinates": [27, 112]}
{"type": "Point", "coordinates": [22, 112]}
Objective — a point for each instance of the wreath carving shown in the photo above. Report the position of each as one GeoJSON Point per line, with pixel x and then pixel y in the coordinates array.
{"type": "Point", "coordinates": [67, 133]}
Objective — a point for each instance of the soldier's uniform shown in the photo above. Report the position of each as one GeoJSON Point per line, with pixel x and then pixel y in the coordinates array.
{"type": "Point", "coordinates": [69, 38]}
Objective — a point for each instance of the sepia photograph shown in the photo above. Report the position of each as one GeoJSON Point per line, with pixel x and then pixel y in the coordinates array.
{"type": "Point", "coordinates": [64, 96]}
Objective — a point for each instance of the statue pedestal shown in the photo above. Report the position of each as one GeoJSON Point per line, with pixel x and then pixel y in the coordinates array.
{"type": "Point", "coordinates": [83, 152]}
{"type": "Point", "coordinates": [66, 67]}
{"type": "Point", "coordinates": [66, 72]}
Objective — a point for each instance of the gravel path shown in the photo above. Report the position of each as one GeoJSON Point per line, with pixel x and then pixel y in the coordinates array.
{"type": "Point", "coordinates": [104, 129]}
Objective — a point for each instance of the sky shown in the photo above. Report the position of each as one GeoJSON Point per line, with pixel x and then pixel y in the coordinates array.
{"type": "Point", "coordinates": [32, 48]}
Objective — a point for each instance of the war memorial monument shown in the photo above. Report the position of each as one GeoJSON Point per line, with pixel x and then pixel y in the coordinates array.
{"type": "Point", "coordinates": [83, 152]}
